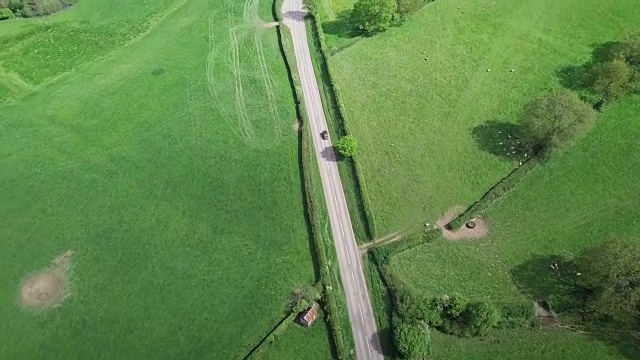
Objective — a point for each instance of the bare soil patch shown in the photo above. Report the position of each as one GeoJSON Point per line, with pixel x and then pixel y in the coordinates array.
{"type": "Point", "coordinates": [48, 287]}
{"type": "Point", "coordinates": [545, 315]}
{"type": "Point", "coordinates": [296, 126]}
{"type": "Point", "coordinates": [479, 229]}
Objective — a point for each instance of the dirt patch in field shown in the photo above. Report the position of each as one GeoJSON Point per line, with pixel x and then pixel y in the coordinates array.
{"type": "Point", "coordinates": [545, 315]}
{"type": "Point", "coordinates": [479, 230]}
{"type": "Point", "coordinates": [269, 25]}
{"type": "Point", "coordinates": [296, 126]}
{"type": "Point", "coordinates": [49, 287]}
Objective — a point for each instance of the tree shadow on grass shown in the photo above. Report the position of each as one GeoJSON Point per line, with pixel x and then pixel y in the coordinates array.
{"type": "Point", "coordinates": [501, 139]}
{"type": "Point", "coordinates": [576, 76]}
{"type": "Point", "coordinates": [626, 342]}
{"type": "Point", "coordinates": [553, 278]}
{"type": "Point", "coordinates": [341, 27]}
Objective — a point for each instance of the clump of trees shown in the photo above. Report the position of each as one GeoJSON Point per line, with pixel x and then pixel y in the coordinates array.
{"type": "Point", "coordinates": [347, 146]}
{"type": "Point", "coordinates": [610, 279]}
{"type": "Point", "coordinates": [31, 8]}
{"type": "Point", "coordinates": [451, 314]}
{"type": "Point", "coordinates": [374, 16]}
{"type": "Point", "coordinates": [618, 74]}
{"type": "Point", "coordinates": [554, 119]}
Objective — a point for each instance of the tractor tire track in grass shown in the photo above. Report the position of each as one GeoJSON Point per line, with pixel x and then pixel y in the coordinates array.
{"type": "Point", "coordinates": [243, 54]}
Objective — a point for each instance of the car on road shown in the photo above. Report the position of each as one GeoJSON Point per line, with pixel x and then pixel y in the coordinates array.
{"type": "Point", "coordinates": [324, 135]}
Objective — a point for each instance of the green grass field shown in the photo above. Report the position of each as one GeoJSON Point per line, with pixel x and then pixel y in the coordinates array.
{"type": "Point", "coordinates": [414, 118]}
{"type": "Point", "coordinates": [155, 140]}
{"type": "Point", "coordinates": [584, 197]}
{"type": "Point", "coordinates": [416, 96]}
{"type": "Point", "coordinates": [522, 344]}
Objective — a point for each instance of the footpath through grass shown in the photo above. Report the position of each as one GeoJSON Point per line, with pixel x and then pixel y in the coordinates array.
{"type": "Point", "coordinates": [182, 202]}
{"type": "Point", "coordinates": [415, 118]}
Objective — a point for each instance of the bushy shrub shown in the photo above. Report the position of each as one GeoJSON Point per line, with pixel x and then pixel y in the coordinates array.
{"type": "Point", "coordinates": [451, 314]}
{"type": "Point", "coordinates": [479, 318]}
{"type": "Point", "coordinates": [5, 13]}
{"type": "Point", "coordinates": [412, 339]}
{"type": "Point", "coordinates": [517, 310]}
{"type": "Point", "coordinates": [381, 255]}
{"type": "Point", "coordinates": [374, 16]}
{"type": "Point", "coordinates": [347, 146]}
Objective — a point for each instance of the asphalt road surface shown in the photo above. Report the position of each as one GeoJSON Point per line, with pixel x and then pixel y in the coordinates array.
{"type": "Point", "coordinates": [363, 323]}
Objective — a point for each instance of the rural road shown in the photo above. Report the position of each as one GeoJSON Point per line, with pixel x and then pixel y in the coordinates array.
{"type": "Point", "coordinates": [361, 317]}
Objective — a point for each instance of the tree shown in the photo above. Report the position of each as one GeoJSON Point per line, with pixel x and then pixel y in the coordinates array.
{"type": "Point", "coordinates": [373, 16]}
{"type": "Point", "coordinates": [553, 119]}
{"type": "Point", "coordinates": [347, 146]}
{"type": "Point", "coordinates": [412, 339]}
{"type": "Point", "coordinates": [630, 52]}
{"type": "Point", "coordinates": [610, 274]}
{"type": "Point", "coordinates": [480, 317]}
{"type": "Point", "coordinates": [612, 79]}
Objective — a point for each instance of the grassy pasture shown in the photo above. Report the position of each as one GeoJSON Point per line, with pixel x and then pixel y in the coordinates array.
{"type": "Point", "coordinates": [127, 144]}
{"type": "Point", "coordinates": [414, 118]}
{"type": "Point", "coordinates": [584, 197]}
{"type": "Point", "coordinates": [521, 344]}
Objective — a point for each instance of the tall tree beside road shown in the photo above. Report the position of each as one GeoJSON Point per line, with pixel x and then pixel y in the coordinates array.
{"type": "Point", "coordinates": [347, 146]}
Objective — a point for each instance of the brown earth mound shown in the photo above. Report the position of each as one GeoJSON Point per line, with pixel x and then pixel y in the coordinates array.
{"type": "Point", "coordinates": [47, 288]}
{"type": "Point", "coordinates": [463, 233]}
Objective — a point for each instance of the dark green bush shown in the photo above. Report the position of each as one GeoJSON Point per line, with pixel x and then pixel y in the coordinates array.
{"type": "Point", "coordinates": [412, 339]}
{"type": "Point", "coordinates": [478, 318]}
{"type": "Point", "coordinates": [517, 310]}
{"type": "Point", "coordinates": [381, 255]}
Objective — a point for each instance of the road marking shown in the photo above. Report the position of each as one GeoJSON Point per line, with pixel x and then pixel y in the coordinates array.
{"type": "Point", "coordinates": [361, 316]}
{"type": "Point", "coordinates": [354, 283]}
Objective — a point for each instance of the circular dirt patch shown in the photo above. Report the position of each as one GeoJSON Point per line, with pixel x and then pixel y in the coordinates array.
{"type": "Point", "coordinates": [42, 290]}
{"type": "Point", "coordinates": [477, 229]}
{"type": "Point", "coordinates": [47, 288]}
